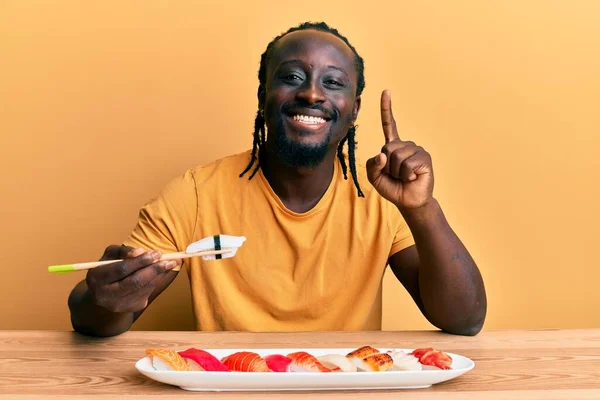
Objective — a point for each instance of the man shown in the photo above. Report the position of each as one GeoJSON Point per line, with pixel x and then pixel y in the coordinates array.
{"type": "Point", "coordinates": [317, 245]}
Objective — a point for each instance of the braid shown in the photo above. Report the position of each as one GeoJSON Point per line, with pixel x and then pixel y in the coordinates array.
{"type": "Point", "coordinates": [351, 148]}
{"type": "Point", "coordinates": [259, 139]}
{"type": "Point", "coordinates": [340, 154]}
{"type": "Point", "coordinates": [351, 151]}
{"type": "Point", "coordinates": [259, 124]}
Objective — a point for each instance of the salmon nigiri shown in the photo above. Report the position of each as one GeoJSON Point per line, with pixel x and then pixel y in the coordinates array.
{"type": "Point", "coordinates": [245, 361]}
{"type": "Point", "coordinates": [304, 362]}
{"type": "Point", "coordinates": [167, 360]}
{"type": "Point", "coordinates": [200, 360]}
{"type": "Point", "coordinates": [278, 363]}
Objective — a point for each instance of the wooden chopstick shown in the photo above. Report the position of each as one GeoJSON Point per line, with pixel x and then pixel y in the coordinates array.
{"type": "Point", "coordinates": [61, 269]}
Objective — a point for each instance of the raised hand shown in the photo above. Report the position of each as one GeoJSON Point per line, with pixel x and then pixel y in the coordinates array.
{"type": "Point", "coordinates": [402, 173]}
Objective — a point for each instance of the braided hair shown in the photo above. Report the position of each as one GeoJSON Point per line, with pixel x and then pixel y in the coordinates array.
{"type": "Point", "coordinates": [259, 122]}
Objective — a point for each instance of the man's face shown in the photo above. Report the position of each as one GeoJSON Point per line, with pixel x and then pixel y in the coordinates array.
{"type": "Point", "coordinates": [310, 96]}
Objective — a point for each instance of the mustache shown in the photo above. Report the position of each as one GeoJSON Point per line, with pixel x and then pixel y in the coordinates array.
{"type": "Point", "coordinates": [287, 107]}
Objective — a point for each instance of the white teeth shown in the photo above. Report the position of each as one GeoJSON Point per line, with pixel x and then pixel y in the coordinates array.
{"type": "Point", "coordinates": [307, 119]}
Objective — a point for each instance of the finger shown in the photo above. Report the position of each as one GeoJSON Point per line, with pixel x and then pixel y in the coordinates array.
{"type": "Point", "coordinates": [115, 252]}
{"type": "Point", "coordinates": [121, 269]}
{"type": "Point", "coordinates": [179, 264]}
{"type": "Point", "coordinates": [114, 301]}
{"type": "Point", "coordinates": [387, 118]}
{"type": "Point", "coordinates": [135, 253]}
{"type": "Point", "coordinates": [397, 160]}
{"type": "Point", "coordinates": [375, 167]}
{"type": "Point", "coordinates": [143, 277]}
{"type": "Point", "coordinates": [407, 172]}
{"type": "Point", "coordinates": [132, 302]}
{"type": "Point", "coordinates": [389, 149]}
{"type": "Point", "coordinates": [141, 299]}
{"type": "Point", "coordinates": [160, 283]}
{"type": "Point", "coordinates": [412, 167]}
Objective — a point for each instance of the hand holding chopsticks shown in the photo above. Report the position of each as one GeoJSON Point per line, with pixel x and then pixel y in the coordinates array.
{"type": "Point", "coordinates": [210, 248]}
{"type": "Point", "coordinates": [126, 280]}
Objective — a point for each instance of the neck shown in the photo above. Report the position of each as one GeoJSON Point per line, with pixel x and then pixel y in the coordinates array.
{"type": "Point", "coordinates": [300, 189]}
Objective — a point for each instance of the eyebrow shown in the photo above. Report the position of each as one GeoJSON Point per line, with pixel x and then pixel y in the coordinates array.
{"type": "Point", "coordinates": [302, 62]}
{"type": "Point", "coordinates": [337, 68]}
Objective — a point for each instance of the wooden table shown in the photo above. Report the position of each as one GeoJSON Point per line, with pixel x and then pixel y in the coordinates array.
{"type": "Point", "coordinates": [539, 364]}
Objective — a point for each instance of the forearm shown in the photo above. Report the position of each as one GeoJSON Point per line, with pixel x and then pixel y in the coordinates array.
{"type": "Point", "coordinates": [90, 319]}
{"type": "Point", "coordinates": [450, 284]}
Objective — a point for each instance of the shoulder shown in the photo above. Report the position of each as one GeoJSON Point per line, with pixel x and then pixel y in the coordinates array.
{"type": "Point", "coordinates": [227, 168]}
{"type": "Point", "coordinates": [188, 183]}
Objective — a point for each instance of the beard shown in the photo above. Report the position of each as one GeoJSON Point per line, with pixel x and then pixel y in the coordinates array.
{"type": "Point", "coordinates": [300, 155]}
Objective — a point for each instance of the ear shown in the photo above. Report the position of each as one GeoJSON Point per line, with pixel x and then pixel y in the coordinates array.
{"type": "Point", "coordinates": [261, 97]}
{"type": "Point", "coordinates": [356, 109]}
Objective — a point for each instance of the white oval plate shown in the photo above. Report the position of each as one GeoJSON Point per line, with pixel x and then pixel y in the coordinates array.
{"type": "Point", "coordinates": [280, 381]}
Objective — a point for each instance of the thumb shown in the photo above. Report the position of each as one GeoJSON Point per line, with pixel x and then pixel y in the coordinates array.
{"type": "Point", "coordinates": [375, 167]}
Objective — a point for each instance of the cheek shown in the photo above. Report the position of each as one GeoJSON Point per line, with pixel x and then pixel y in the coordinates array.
{"type": "Point", "coordinates": [344, 106]}
{"type": "Point", "coordinates": [271, 112]}
{"type": "Point", "coordinates": [273, 103]}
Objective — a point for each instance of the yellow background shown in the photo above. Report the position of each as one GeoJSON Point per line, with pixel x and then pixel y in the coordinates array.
{"type": "Point", "coordinates": [102, 103]}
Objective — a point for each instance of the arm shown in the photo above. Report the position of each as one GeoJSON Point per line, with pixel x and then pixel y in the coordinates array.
{"type": "Point", "coordinates": [440, 274]}
{"type": "Point", "coordinates": [90, 319]}
{"type": "Point", "coordinates": [438, 271]}
{"type": "Point", "coordinates": [113, 296]}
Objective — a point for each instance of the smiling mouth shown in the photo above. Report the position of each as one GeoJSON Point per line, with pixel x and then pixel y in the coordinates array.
{"type": "Point", "coordinates": [307, 121]}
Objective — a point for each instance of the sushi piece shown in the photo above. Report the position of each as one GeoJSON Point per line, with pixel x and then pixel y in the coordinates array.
{"type": "Point", "coordinates": [337, 363]}
{"type": "Point", "coordinates": [193, 365]}
{"type": "Point", "coordinates": [404, 361]}
{"type": "Point", "coordinates": [166, 360]}
{"type": "Point", "coordinates": [200, 360]}
{"type": "Point", "coordinates": [419, 352]}
{"type": "Point", "coordinates": [362, 352]}
{"type": "Point", "coordinates": [359, 354]}
{"type": "Point", "coordinates": [375, 362]}
{"type": "Point", "coordinates": [304, 362]}
{"type": "Point", "coordinates": [431, 357]}
{"type": "Point", "coordinates": [278, 363]}
{"type": "Point", "coordinates": [245, 361]}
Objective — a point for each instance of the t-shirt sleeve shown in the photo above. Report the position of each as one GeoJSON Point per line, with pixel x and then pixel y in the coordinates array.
{"type": "Point", "coordinates": [403, 237]}
{"type": "Point", "coordinates": [167, 222]}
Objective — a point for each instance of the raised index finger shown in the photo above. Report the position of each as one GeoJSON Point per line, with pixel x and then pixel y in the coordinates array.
{"type": "Point", "coordinates": [387, 117]}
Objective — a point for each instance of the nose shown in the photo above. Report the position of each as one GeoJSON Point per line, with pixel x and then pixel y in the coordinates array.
{"type": "Point", "coordinates": [310, 93]}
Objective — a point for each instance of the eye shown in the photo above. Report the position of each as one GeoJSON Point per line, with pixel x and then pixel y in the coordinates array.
{"type": "Point", "coordinates": [291, 77]}
{"type": "Point", "coordinates": [333, 82]}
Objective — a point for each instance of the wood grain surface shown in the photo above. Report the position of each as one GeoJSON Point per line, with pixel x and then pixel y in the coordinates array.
{"type": "Point", "coordinates": [535, 364]}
